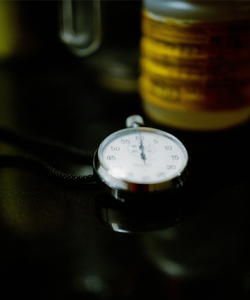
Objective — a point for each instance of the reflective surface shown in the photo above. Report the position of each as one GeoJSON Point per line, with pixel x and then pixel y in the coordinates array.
{"type": "Point", "coordinates": [57, 241]}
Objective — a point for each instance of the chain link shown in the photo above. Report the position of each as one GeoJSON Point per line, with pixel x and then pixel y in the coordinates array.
{"type": "Point", "coordinates": [40, 145]}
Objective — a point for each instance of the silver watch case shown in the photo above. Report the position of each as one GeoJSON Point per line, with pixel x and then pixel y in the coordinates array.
{"type": "Point", "coordinates": [124, 190]}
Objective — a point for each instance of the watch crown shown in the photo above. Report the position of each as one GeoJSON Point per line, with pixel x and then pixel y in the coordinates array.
{"type": "Point", "coordinates": [134, 121]}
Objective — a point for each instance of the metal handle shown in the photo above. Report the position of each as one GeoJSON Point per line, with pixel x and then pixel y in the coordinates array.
{"type": "Point", "coordinates": [81, 25]}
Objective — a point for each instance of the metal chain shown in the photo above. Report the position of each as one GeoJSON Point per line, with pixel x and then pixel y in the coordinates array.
{"type": "Point", "coordinates": [40, 145]}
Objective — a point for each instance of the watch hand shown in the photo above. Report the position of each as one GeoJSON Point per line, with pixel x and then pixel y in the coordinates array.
{"type": "Point", "coordinates": [141, 147]}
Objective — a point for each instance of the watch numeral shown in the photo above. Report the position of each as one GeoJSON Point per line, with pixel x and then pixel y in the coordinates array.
{"type": "Point", "coordinates": [168, 148]}
{"type": "Point", "coordinates": [125, 141]}
{"type": "Point", "coordinates": [139, 138]}
{"type": "Point", "coordinates": [161, 174]}
{"type": "Point", "coordinates": [171, 167]}
{"type": "Point", "coordinates": [111, 157]}
{"type": "Point", "coordinates": [175, 157]}
{"type": "Point", "coordinates": [113, 148]}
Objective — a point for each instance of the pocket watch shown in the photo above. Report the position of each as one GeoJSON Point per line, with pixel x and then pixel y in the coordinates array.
{"type": "Point", "coordinates": [140, 161]}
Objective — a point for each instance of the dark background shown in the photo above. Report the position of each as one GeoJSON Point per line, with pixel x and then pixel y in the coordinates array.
{"type": "Point", "coordinates": [53, 243]}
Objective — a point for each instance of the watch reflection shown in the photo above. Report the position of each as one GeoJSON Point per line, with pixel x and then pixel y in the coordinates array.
{"type": "Point", "coordinates": [138, 216]}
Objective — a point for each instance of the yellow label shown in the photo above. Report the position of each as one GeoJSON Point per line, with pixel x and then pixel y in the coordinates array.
{"type": "Point", "coordinates": [195, 66]}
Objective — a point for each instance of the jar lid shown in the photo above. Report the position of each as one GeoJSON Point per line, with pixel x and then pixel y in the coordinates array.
{"type": "Point", "coordinates": [208, 11]}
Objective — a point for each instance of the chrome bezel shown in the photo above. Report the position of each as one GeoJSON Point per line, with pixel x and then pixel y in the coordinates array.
{"type": "Point", "coordinates": [122, 189]}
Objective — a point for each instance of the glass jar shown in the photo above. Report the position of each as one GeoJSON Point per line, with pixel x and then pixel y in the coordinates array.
{"type": "Point", "coordinates": [195, 63]}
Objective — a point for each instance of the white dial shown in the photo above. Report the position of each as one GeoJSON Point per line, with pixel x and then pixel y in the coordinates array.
{"type": "Point", "coordinates": [142, 156]}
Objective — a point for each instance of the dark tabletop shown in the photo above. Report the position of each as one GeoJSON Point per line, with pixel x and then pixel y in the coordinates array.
{"type": "Point", "coordinates": [56, 242]}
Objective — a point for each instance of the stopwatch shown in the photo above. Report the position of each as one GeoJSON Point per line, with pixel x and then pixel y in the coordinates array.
{"type": "Point", "coordinates": [140, 161]}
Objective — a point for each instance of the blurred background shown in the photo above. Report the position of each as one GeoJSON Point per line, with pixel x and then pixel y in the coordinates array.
{"type": "Point", "coordinates": [58, 241]}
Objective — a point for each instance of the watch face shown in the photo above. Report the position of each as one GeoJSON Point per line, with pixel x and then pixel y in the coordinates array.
{"type": "Point", "coordinates": [142, 156]}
